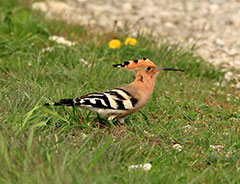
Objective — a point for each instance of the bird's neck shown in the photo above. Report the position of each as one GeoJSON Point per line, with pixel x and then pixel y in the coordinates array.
{"type": "Point", "coordinates": [143, 79]}
{"type": "Point", "coordinates": [144, 83]}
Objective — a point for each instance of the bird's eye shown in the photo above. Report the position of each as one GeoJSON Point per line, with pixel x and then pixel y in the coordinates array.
{"type": "Point", "coordinates": [149, 68]}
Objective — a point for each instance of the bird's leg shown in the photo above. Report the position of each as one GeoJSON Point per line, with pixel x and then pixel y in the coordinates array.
{"type": "Point", "coordinates": [111, 118]}
{"type": "Point", "coordinates": [121, 121]}
{"type": "Point", "coordinates": [101, 120]}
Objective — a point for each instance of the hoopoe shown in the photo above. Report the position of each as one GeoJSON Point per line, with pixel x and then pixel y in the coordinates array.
{"type": "Point", "coordinates": [121, 102]}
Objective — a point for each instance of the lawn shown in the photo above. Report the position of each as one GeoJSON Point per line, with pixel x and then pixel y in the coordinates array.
{"type": "Point", "coordinates": [196, 109]}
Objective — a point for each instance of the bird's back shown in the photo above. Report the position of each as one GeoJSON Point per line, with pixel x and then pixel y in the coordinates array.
{"type": "Point", "coordinates": [117, 102]}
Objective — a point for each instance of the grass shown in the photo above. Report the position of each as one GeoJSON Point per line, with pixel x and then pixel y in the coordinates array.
{"type": "Point", "coordinates": [59, 145]}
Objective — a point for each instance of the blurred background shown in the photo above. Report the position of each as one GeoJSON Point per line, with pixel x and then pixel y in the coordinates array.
{"type": "Point", "coordinates": [211, 26]}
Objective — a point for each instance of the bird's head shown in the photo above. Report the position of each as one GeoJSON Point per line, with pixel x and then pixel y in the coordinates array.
{"type": "Point", "coordinates": [144, 66]}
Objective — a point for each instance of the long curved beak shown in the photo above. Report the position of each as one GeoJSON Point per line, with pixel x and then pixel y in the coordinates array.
{"type": "Point", "coordinates": [169, 69]}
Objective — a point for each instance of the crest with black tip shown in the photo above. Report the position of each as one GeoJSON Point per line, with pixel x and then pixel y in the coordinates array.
{"type": "Point", "coordinates": [118, 65]}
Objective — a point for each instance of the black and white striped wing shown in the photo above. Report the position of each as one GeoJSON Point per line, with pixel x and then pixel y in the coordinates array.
{"type": "Point", "coordinates": [116, 99]}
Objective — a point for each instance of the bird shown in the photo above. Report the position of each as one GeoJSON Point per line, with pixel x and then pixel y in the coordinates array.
{"type": "Point", "coordinates": [120, 102]}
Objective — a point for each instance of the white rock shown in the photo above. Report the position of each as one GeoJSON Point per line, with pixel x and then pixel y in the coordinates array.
{"type": "Point", "coordinates": [61, 40]}
{"type": "Point", "coordinates": [216, 146]}
{"type": "Point", "coordinates": [187, 128]}
{"type": "Point", "coordinates": [220, 43]}
{"type": "Point", "coordinates": [41, 6]}
{"type": "Point", "coordinates": [231, 51]}
{"type": "Point", "coordinates": [50, 49]}
{"type": "Point", "coordinates": [145, 167]}
{"type": "Point", "coordinates": [177, 147]}
{"type": "Point", "coordinates": [228, 75]}
{"type": "Point", "coordinates": [169, 25]}
{"type": "Point", "coordinates": [148, 134]}
{"type": "Point", "coordinates": [81, 60]}
{"type": "Point", "coordinates": [127, 7]}
{"type": "Point", "coordinates": [237, 85]}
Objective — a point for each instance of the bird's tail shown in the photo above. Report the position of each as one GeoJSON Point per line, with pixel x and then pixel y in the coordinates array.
{"type": "Point", "coordinates": [67, 102]}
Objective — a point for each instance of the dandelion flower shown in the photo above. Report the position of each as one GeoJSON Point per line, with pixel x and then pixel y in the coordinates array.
{"type": "Point", "coordinates": [113, 44]}
{"type": "Point", "coordinates": [130, 41]}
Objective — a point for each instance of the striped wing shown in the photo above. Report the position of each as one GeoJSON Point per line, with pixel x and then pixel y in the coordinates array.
{"type": "Point", "coordinates": [116, 99]}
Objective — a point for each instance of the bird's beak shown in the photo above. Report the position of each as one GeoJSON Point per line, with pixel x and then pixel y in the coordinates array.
{"type": "Point", "coordinates": [169, 69]}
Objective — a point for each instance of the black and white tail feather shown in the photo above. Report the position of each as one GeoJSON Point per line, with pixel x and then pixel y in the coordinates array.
{"type": "Point", "coordinates": [111, 104]}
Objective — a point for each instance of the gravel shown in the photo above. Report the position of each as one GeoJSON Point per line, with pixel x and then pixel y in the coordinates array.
{"type": "Point", "coordinates": [212, 26]}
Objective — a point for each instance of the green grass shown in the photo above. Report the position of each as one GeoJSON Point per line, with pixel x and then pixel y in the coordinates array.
{"type": "Point", "coordinates": [58, 145]}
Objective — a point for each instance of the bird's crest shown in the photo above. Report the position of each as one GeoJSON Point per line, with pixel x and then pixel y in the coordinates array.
{"type": "Point", "coordinates": [134, 64]}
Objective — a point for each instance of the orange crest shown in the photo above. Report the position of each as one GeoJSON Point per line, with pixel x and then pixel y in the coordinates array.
{"type": "Point", "coordinates": [136, 64]}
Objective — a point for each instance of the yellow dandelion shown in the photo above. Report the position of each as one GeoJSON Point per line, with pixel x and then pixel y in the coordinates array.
{"type": "Point", "coordinates": [113, 44]}
{"type": "Point", "coordinates": [130, 41]}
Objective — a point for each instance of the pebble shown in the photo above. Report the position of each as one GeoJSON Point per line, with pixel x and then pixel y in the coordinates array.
{"type": "Point", "coordinates": [61, 40]}
{"type": "Point", "coordinates": [177, 147]}
{"type": "Point", "coordinates": [145, 167]}
{"type": "Point", "coordinates": [40, 6]}
{"type": "Point", "coordinates": [216, 146]}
